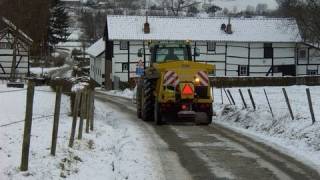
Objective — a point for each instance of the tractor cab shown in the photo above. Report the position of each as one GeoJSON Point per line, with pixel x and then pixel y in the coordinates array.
{"type": "Point", "coordinates": [167, 52]}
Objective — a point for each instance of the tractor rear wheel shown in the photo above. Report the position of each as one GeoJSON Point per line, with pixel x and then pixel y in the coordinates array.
{"type": "Point", "coordinates": [147, 100]}
{"type": "Point", "coordinates": [139, 98]}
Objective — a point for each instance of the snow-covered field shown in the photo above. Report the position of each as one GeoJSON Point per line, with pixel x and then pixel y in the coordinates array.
{"type": "Point", "coordinates": [117, 149]}
{"type": "Point", "coordinates": [39, 70]}
{"type": "Point", "coordinates": [242, 4]}
{"type": "Point", "coordinates": [237, 5]}
{"type": "Point", "coordinates": [297, 137]}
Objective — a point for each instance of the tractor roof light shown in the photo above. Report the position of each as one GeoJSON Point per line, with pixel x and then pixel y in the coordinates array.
{"type": "Point", "coordinates": [197, 80]}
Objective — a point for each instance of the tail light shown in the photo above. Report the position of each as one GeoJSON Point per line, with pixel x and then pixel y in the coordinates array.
{"type": "Point", "coordinates": [184, 107]}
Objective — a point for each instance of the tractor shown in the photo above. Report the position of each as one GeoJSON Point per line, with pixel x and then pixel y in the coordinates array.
{"type": "Point", "coordinates": [174, 85]}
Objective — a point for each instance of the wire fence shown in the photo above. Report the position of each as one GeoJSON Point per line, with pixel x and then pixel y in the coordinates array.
{"type": "Point", "coordinates": [298, 104]}
{"type": "Point", "coordinates": [39, 118]}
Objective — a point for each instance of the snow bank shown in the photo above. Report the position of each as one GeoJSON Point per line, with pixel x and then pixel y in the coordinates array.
{"type": "Point", "coordinates": [127, 93]}
{"type": "Point", "coordinates": [296, 137]}
{"type": "Point", "coordinates": [116, 149]}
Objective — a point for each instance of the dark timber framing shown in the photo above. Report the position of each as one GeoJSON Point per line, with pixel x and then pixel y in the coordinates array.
{"type": "Point", "coordinates": [24, 43]}
{"type": "Point", "coordinates": [128, 44]}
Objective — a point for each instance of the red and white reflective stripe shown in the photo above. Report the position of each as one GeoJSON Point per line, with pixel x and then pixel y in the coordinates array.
{"type": "Point", "coordinates": [204, 79]}
{"type": "Point", "coordinates": [171, 78]}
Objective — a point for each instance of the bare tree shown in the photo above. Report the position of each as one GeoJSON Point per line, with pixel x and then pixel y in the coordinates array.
{"type": "Point", "coordinates": [177, 6]}
{"type": "Point", "coordinates": [306, 12]}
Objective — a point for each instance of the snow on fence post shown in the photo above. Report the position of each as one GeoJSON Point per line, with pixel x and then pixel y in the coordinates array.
{"type": "Point", "coordinates": [310, 106]}
{"type": "Point", "coordinates": [56, 120]}
{"type": "Point", "coordinates": [268, 102]}
{"type": "Point", "coordinates": [227, 95]}
{"type": "Point", "coordinates": [234, 103]}
{"type": "Point", "coordinates": [252, 100]}
{"type": "Point", "coordinates": [288, 102]}
{"type": "Point", "coordinates": [27, 127]}
{"type": "Point", "coordinates": [75, 117]}
{"type": "Point", "coordinates": [91, 110]}
{"type": "Point", "coordinates": [82, 112]}
{"type": "Point", "coordinates": [244, 102]}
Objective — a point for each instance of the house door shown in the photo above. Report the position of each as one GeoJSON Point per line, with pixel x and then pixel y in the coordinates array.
{"type": "Point", "coordinates": [287, 70]}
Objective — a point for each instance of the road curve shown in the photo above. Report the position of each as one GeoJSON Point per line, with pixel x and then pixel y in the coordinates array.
{"type": "Point", "coordinates": [213, 152]}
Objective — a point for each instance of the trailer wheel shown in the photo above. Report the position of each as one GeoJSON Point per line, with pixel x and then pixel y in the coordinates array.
{"type": "Point", "coordinates": [203, 118]}
{"type": "Point", "coordinates": [147, 100]}
{"type": "Point", "coordinates": [157, 114]}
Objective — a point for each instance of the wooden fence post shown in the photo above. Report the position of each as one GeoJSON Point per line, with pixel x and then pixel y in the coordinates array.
{"type": "Point", "coordinates": [252, 100]}
{"type": "Point", "coordinates": [288, 102]}
{"type": "Point", "coordinates": [268, 102]}
{"type": "Point", "coordinates": [92, 110]}
{"type": "Point", "coordinates": [27, 127]}
{"type": "Point", "coordinates": [221, 95]}
{"type": "Point", "coordinates": [227, 95]}
{"type": "Point", "coordinates": [310, 106]}
{"type": "Point", "coordinates": [88, 100]}
{"type": "Point", "coordinates": [82, 112]}
{"type": "Point", "coordinates": [75, 117]}
{"type": "Point", "coordinates": [244, 102]}
{"type": "Point", "coordinates": [234, 103]}
{"type": "Point", "coordinates": [56, 121]}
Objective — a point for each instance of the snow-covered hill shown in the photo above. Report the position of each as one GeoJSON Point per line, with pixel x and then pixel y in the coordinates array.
{"type": "Point", "coordinates": [237, 5]}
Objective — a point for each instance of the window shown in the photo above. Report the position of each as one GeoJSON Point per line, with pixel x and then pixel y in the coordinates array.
{"type": "Point", "coordinates": [124, 67]}
{"type": "Point", "coordinates": [5, 45]}
{"type": "Point", "coordinates": [268, 50]}
{"type": "Point", "coordinates": [302, 54]}
{"type": "Point", "coordinates": [243, 70]}
{"type": "Point", "coordinates": [171, 53]}
{"type": "Point", "coordinates": [211, 46]}
{"type": "Point", "coordinates": [124, 45]}
{"type": "Point", "coordinates": [312, 72]}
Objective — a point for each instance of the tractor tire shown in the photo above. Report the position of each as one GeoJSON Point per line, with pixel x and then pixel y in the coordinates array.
{"type": "Point", "coordinates": [139, 99]}
{"type": "Point", "coordinates": [157, 114]}
{"type": "Point", "coordinates": [148, 100]}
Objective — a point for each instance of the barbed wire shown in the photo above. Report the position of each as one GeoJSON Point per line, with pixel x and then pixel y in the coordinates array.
{"type": "Point", "coordinates": [35, 118]}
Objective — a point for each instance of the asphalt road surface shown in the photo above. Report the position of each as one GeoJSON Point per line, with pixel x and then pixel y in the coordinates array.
{"type": "Point", "coordinates": [213, 152]}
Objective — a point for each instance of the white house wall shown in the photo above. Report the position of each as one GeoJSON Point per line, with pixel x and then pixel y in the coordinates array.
{"type": "Point", "coordinates": [227, 57]}
{"type": "Point", "coordinates": [97, 68]}
{"type": "Point", "coordinates": [310, 63]}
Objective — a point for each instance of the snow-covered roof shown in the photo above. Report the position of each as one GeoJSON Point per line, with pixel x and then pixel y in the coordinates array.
{"type": "Point", "coordinates": [203, 29]}
{"type": "Point", "coordinates": [14, 27]}
{"type": "Point", "coordinates": [97, 48]}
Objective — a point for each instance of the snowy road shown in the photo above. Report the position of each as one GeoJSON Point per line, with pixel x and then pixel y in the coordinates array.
{"type": "Point", "coordinates": [213, 152]}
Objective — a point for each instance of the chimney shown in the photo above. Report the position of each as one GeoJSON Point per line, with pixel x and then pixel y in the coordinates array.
{"type": "Point", "coordinates": [223, 27]}
{"type": "Point", "coordinates": [146, 28]}
{"type": "Point", "coordinates": [229, 27]}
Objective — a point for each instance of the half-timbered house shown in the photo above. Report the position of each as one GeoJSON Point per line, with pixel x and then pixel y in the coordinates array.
{"type": "Point", "coordinates": [237, 46]}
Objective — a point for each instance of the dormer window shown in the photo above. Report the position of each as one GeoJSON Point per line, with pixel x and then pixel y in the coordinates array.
{"type": "Point", "coordinates": [124, 45]}
{"type": "Point", "coordinates": [211, 46]}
